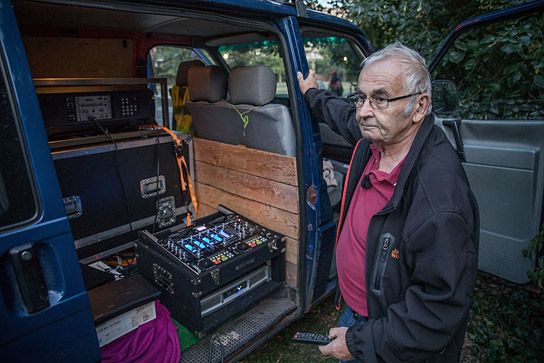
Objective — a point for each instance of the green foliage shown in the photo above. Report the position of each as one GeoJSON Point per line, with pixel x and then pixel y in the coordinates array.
{"type": "Point", "coordinates": [166, 59]}
{"type": "Point", "coordinates": [533, 251]}
{"type": "Point", "coordinates": [505, 322]}
{"type": "Point", "coordinates": [499, 68]}
{"type": "Point", "coordinates": [266, 52]}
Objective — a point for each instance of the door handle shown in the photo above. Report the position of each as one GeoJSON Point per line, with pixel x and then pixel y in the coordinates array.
{"type": "Point", "coordinates": [454, 125]}
{"type": "Point", "coordinates": [30, 278]}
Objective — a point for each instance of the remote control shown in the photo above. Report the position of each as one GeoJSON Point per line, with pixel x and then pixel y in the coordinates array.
{"type": "Point", "coordinates": [311, 338]}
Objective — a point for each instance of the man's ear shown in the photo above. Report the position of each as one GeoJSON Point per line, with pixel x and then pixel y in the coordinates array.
{"type": "Point", "coordinates": [421, 107]}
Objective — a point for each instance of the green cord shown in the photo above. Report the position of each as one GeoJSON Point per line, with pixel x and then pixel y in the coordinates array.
{"type": "Point", "coordinates": [244, 117]}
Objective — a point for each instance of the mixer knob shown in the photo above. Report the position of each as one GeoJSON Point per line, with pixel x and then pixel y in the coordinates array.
{"type": "Point", "coordinates": [241, 246]}
{"type": "Point", "coordinates": [205, 263]}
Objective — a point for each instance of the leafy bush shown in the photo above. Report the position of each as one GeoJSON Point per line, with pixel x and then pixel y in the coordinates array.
{"type": "Point", "coordinates": [533, 251]}
{"type": "Point", "coordinates": [505, 322]}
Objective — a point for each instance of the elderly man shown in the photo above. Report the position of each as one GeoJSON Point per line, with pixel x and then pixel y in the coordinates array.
{"type": "Point", "coordinates": [407, 236]}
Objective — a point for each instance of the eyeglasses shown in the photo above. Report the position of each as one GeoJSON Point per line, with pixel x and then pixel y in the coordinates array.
{"type": "Point", "coordinates": [376, 102]}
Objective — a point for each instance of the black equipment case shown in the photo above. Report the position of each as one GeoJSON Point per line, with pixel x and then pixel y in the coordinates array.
{"type": "Point", "coordinates": [110, 189]}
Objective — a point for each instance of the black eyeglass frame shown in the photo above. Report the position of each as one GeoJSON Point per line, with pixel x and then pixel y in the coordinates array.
{"type": "Point", "coordinates": [356, 98]}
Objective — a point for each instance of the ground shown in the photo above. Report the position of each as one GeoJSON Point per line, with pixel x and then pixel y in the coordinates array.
{"type": "Point", "coordinates": [506, 324]}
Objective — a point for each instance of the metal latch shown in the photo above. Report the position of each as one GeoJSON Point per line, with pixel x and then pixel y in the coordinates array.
{"type": "Point", "coordinates": [72, 205]}
{"type": "Point", "coordinates": [150, 188]}
{"type": "Point", "coordinates": [166, 211]}
{"type": "Point", "coordinates": [215, 276]}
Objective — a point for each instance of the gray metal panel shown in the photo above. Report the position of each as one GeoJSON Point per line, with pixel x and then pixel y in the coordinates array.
{"type": "Point", "coordinates": [505, 168]}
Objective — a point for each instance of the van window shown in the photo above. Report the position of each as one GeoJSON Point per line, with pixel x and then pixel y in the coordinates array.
{"type": "Point", "coordinates": [498, 70]}
{"type": "Point", "coordinates": [164, 61]}
{"type": "Point", "coordinates": [336, 66]}
{"type": "Point", "coordinates": [17, 200]}
{"type": "Point", "coordinates": [259, 53]}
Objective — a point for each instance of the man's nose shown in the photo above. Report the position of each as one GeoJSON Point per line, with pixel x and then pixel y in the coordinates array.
{"type": "Point", "coordinates": [365, 110]}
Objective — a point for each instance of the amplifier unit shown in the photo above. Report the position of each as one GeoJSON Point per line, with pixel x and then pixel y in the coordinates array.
{"type": "Point", "coordinates": [213, 270]}
{"type": "Point", "coordinates": [77, 110]}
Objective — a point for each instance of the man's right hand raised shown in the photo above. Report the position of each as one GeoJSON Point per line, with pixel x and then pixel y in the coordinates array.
{"type": "Point", "coordinates": [309, 82]}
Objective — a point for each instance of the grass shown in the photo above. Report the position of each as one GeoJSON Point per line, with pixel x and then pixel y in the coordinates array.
{"type": "Point", "coordinates": [281, 349]}
{"type": "Point", "coordinates": [506, 325]}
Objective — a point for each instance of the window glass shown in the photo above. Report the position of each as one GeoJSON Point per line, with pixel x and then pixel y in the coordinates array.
{"type": "Point", "coordinates": [164, 61]}
{"type": "Point", "coordinates": [499, 70]}
{"type": "Point", "coordinates": [259, 53]}
{"type": "Point", "coordinates": [336, 65]}
{"type": "Point", "coordinates": [17, 200]}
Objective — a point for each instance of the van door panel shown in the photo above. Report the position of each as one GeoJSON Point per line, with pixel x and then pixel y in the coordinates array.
{"type": "Point", "coordinates": [500, 122]}
{"type": "Point", "coordinates": [505, 170]}
{"type": "Point", "coordinates": [61, 327]}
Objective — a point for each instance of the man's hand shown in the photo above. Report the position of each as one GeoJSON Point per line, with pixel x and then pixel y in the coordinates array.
{"type": "Point", "coordinates": [337, 348]}
{"type": "Point", "coordinates": [309, 82]}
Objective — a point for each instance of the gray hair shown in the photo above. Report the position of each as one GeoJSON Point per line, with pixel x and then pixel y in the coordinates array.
{"type": "Point", "coordinates": [417, 78]}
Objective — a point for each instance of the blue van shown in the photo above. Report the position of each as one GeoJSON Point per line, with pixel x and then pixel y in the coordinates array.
{"type": "Point", "coordinates": [88, 170]}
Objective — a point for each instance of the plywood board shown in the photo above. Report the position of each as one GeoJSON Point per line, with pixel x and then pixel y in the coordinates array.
{"type": "Point", "coordinates": [79, 58]}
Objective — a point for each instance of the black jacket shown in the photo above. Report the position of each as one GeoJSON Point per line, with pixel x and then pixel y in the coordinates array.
{"type": "Point", "coordinates": [421, 252]}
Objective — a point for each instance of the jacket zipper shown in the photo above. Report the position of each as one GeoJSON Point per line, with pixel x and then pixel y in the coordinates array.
{"type": "Point", "coordinates": [386, 244]}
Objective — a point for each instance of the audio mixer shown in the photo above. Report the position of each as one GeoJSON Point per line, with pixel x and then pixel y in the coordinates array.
{"type": "Point", "coordinates": [207, 245]}
{"type": "Point", "coordinates": [214, 269]}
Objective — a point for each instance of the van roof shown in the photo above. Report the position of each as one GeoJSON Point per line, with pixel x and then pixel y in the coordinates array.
{"type": "Point", "coordinates": [163, 20]}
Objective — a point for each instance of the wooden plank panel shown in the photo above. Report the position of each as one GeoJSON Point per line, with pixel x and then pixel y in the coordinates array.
{"type": "Point", "coordinates": [268, 165]}
{"type": "Point", "coordinates": [275, 219]}
{"type": "Point", "coordinates": [291, 274]}
{"type": "Point", "coordinates": [291, 250]}
{"type": "Point", "coordinates": [259, 189]}
{"type": "Point", "coordinates": [205, 210]}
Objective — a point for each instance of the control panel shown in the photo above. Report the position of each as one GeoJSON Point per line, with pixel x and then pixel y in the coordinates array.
{"type": "Point", "coordinates": [205, 246]}
{"type": "Point", "coordinates": [81, 110]}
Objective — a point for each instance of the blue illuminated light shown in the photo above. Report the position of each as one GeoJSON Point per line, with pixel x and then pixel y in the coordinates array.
{"type": "Point", "coordinates": [224, 234]}
{"type": "Point", "coordinates": [199, 244]}
{"type": "Point", "coordinates": [207, 240]}
{"type": "Point", "coordinates": [189, 247]}
{"type": "Point", "coordinates": [217, 238]}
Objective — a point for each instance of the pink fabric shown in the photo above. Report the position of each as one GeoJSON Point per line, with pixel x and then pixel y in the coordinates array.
{"type": "Point", "coordinates": [351, 248]}
{"type": "Point", "coordinates": [154, 341]}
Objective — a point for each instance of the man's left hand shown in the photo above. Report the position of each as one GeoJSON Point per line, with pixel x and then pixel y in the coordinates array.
{"type": "Point", "coordinates": [337, 348]}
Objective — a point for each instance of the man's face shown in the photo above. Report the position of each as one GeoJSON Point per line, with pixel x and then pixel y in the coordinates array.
{"type": "Point", "coordinates": [384, 127]}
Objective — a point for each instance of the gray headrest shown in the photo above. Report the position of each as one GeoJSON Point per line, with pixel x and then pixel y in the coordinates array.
{"type": "Point", "coordinates": [181, 77]}
{"type": "Point", "coordinates": [254, 85]}
{"type": "Point", "coordinates": [207, 83]}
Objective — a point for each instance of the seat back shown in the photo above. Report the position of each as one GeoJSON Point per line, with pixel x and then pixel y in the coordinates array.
{"type": "Point", "coordinates": [260, 124]}
{"type": "Point", "coordinates": [248, 118]}
{"type": "Point", "coordinates": [208, 90]}
{"type": "Point", "coordinates": [179, 94]}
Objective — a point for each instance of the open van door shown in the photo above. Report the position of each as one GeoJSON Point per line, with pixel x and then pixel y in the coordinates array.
{"type": "Point", "coordinates": [44, 308]}
{"type": "Point", "coordinates": [496, 62]}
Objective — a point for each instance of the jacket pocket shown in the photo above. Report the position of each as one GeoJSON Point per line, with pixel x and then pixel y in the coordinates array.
{"type": "Point", "coordinates": [385, 243]}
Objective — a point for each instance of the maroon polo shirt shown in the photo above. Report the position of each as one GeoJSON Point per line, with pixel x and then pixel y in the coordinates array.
{"type": "Point", "coordinates": [351, 247]}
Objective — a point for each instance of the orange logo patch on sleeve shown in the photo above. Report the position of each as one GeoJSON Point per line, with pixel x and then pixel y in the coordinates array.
{"type": "Point", "coordinates": [395, 253]}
